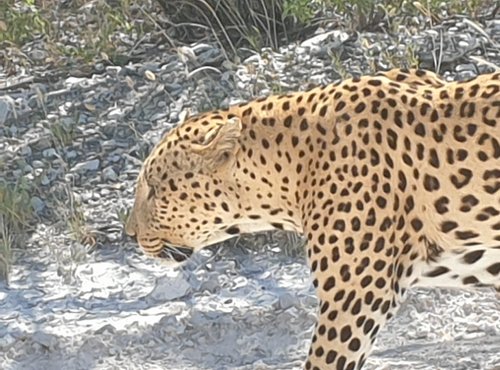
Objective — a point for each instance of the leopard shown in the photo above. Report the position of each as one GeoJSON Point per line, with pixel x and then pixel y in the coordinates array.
{"type": "Point", "coordinates": [392, 178]}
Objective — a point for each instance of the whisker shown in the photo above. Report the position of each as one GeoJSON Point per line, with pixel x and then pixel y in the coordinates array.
{"type": "Point", "coordinates": [176, 253]}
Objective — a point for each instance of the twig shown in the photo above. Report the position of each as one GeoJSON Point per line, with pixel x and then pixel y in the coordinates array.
{"type": "Point", "coordinates": [10, 84]}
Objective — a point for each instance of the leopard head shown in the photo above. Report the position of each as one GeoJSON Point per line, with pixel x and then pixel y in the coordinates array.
{"type": "Point", "coordinates": [187, 194]}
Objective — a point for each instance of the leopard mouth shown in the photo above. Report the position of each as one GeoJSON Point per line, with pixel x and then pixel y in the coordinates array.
{"type": "Point", "coordinates": [176, 253]}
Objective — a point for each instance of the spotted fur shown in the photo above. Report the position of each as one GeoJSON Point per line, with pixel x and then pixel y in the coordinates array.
{"type": "Point", "coordinates": [393, 178]}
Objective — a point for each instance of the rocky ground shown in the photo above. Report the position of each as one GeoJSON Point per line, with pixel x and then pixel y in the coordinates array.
{"type": "Point", "coordinates": [80, 296]}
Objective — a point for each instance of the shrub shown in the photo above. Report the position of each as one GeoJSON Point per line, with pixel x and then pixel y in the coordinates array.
{"type": "Point", "coordinates": [237, 23]}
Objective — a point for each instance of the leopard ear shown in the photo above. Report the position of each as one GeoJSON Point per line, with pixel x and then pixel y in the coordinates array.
{"type": "Point", "coordinates": [219, 144]}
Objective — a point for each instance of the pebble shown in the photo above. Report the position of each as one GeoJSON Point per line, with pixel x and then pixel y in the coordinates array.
{"type": "Point", "coordinates": [82, 167]}
{"type": "Point", "coordinates": [159, 116]}
{"type": "Point", "coordinates": [44, 180]}
{"type": "Point", "coordinates": [37, 204]}
{"type": "Point", "coordinates": [99, 67]}
{"type": "Point", "coordinates": [104, 193]}
{"type": "Point", "coordinates": [211, 284]}
{"type": "Point", "coordinates": [170, 288]}
{"type": "Point", "coordinates": [115, 114]}
{"type": "Point", "coordinates": [41, 143]}
{"type": "Point", "coordinates": [463, 44]}
{"type": "Point", "coordinates": [323, 43]}
{"type": "Point", "coordinates": [6, 340]}
{"type": "Point", "coordinates": [49, 153]}
{"type": "Point", "coordinates": [109, 174]}
{"type": "Point", "coordinates": [71, 154]}
{"type": "Point", "coordinates": [286, 301]}
{"type": "Point", "coordinates": [46, 340]}
{"type": "Point", "coordinates": [37, 164]}
{"type": "Point", "coordinates": [26, 151]}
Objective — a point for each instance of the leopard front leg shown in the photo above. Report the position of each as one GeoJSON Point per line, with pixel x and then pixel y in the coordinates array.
{"type": "Point", "coordinates": [360, 282]}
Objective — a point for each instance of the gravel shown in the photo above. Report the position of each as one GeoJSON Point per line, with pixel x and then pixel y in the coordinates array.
{"type": "Point", "coordinates": [81, 296]}
{"type": "Point", "coordinates": [226, 310]}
